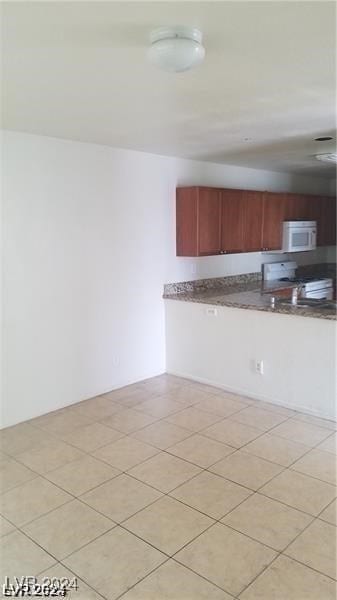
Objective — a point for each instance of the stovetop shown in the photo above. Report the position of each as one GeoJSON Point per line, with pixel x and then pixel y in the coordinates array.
{"type": "Point", "coordinates": [301, 279]}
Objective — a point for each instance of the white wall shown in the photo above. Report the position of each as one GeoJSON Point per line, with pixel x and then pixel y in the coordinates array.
{"type": "Point", "coordinates": [89, 241]}
{"type": "Point", "coordinates": [299, 354]}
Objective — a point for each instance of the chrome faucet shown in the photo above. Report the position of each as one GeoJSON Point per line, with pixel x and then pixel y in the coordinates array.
{"type": "Point", "coordinates": [295, 294]}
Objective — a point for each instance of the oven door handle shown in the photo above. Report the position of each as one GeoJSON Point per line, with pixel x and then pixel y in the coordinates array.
{"type": "Point", "coordinates": [313, 239]}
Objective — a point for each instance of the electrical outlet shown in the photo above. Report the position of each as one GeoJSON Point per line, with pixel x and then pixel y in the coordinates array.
{"type": "Point", "coordinates": [115, 361]}
{"type": "Point", "coordinates": [211, 312]}
{"type": "Point", "coordinates": [259, 367]}
{"type": "Point", "coordinates": [194, 269]}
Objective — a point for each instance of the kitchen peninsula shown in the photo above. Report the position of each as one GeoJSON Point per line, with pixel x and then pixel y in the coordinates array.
{"type": "Point", "coordinates": [212, 340]}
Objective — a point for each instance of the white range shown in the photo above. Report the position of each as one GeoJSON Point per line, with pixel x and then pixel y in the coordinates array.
{"type": "Point", "coordinates": [310, 287]}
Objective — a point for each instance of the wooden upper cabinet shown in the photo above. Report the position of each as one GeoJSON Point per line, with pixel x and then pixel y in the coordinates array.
{"type": "Point", "coordinates": [252, 221]}
{"type": "Point", "coordinates": [232, 215]}
{"type": "Point", "coordinates": [321, 209]}
{"type": "Point", "coordinates": [209, 221]}
{"type": "Point", "coordinates": [296, 207]}
{"type": "Point", "coordinates": [326, 221]}
{"type": "Point", "coordinates": [198, 219]}
{"type": "Point", "coordinates": [186, 222]}
{"type": "Point", "coordinates": [214, 221]}
{"type": "Point", "coordinates": [274, 210]}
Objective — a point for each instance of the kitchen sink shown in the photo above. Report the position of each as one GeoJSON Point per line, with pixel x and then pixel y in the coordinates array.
{"type": "Point", "coordinates": [309, 303]}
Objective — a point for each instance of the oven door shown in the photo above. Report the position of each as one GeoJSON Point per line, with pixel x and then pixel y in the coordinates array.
{"type": "Point", "coordinates": [322, 294]}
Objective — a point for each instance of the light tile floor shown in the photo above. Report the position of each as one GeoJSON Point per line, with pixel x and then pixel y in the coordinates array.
{"type": "Point", "coordinates": [171, 490]}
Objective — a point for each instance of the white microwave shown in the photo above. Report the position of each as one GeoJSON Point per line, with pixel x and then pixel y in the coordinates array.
{"type": "Point", "coordinates": [299, 236]}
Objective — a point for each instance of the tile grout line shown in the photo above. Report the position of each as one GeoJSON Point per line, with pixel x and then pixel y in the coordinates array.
{"type": "Point", "coordinates": [201, 470]}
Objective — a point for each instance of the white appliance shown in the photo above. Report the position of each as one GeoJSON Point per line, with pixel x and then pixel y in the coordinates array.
{"type": "Point", "coordinates": [310, 287]}
{"type": "Point", "coordinates": [299, 236]}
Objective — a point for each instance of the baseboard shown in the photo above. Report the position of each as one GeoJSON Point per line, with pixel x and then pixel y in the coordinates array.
{"type": "Point", "coordinates": [35, 414]}
{"type": "Point", "coordinates": [243, 392]}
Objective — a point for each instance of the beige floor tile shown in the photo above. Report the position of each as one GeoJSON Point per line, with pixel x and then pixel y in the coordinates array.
{"type": "Point", "coordinates": [12, 474]}
{"type": "Point", "coordinates": [92, 437]}
{"type": "Point", "coordinates": [245, 469]}
{"type": "Point", "coordinates": [205, 388]}
{"type": "Point", "coordinates": [259, 418]}
{"type": "Point", "coordinates": [67, 528]}
{"type": "Point", "coordinates": [49, 456]}
{"type": "Point", "coordinates": [225, 557]}
{"type": "Point", "coordinates": [232, 433]}
{"type": "Point", "coordinates": [303, 433]}
{"type": "Point", "coordinates": [114, 562]}
{"type": "Point", "coordinates": [188, 395]}
{"type": "Point", "coordinates": [222, 406]}
{"type": "Point", "coordinates": [316, 547]}
{"type": "Point", "coordinates": [329, 514]}
{"type": "Point", "coordinates": [125, 453]}
{"type": "Point", "coordinates": [193, 419]}
{"type": "Point", "coordinates": [5, 526]}
{"type": "Point", "coordinates": [329, 445]}
{"type": "Point", "coordinates": [164, 472]}
{"type": "Point", "coordinates": [75, 587]}
{"type": "Point", "coordinates": [161, 435]}
{"type": "Point", "coordinates": [130, 395]}
{"type": "Point", "coordinates": [21, 438]}
{"type": "Point", "coordinates": [162, 386]}
{"type": "Point", "coordinates": [235, 397]}
{"type": "Point", "coordinates": [3, 457]}
{"type": "Point", "coordinates": [60, 422]}
{"type": "Point", "coordinates": [300, 491]}
{"type": "Point", "coordinates": [172, 581]}
{"type": "Point", "coordinates": [168, 524]}
{"type": "Point", "coordinates": [97, 408]}
{"type": "Point", "coordinates": [129, 420]}
{"type": "Point", "coordinates": [267, 521]}
{"type": "Point", "coordinates": [329, 424]}
{"type": "Point", "coordinates": [82, 475]}
{"type": "Point", "coordinates": [200, 450]}
{"type": "Point", "coordinates": [282, 410]}
{"type": "Point", "coordinates": [211, 494]}
{"type": "Point", "coordinates": [20, 556]}
{"type": "Point", "coordinates": [121, 497]}
{"type": "Point", "coordinates": [286, 579]}
{"type": "Point", "coordinates": [31, 500]}
{"type": "Point", "coordinates": [160, 406]}
{"type": "Point", "coordinates": [320, 464]}
{"type": "Point", "coordinates": [276, 449]}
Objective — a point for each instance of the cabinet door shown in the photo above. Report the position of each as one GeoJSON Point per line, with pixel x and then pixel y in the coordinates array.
{"type": "Point", "coordinates": [186, 221]}
{"type": "Point", "coordinates": [274, 210]}
{"type": "Point", "coordinates": [326, 226]}
{"type": "Point", "coordinates": [252, 221]}
{"type": "Point", "coordinates": [297, 207]}
{"type": "Point", "coordinates": [232, 213]}
{"type": "Point", "coordinates": [209, 221]}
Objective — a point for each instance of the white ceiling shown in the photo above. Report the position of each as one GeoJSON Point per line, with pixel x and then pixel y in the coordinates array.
{"type": "Point", "coordinates": [78, 70]}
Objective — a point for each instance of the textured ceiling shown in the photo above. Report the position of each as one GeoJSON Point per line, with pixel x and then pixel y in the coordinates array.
{"type": "Point", "coordinates": [78, 70]}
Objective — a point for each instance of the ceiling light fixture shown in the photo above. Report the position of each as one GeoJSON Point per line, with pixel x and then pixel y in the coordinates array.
{"type": "Point", "coordinates": [329, 158]}
{"type": "Point", "coordinates": [176, 49]}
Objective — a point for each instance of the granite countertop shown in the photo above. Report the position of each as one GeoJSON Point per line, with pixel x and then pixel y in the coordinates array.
{"type": "Point", "coordinates": [246, 292]}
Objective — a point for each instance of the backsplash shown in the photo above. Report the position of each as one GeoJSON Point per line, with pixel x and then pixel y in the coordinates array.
{"type": "Point", "coordinates": [198, 285]}
{"type": "Point", "coordinates": [318, 270]}
{"type": "Point", "coordinates": [207, 284]}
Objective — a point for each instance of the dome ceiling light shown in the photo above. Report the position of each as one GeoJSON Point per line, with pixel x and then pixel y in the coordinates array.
{"type": "Point", "coordinates": [176, 49]}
